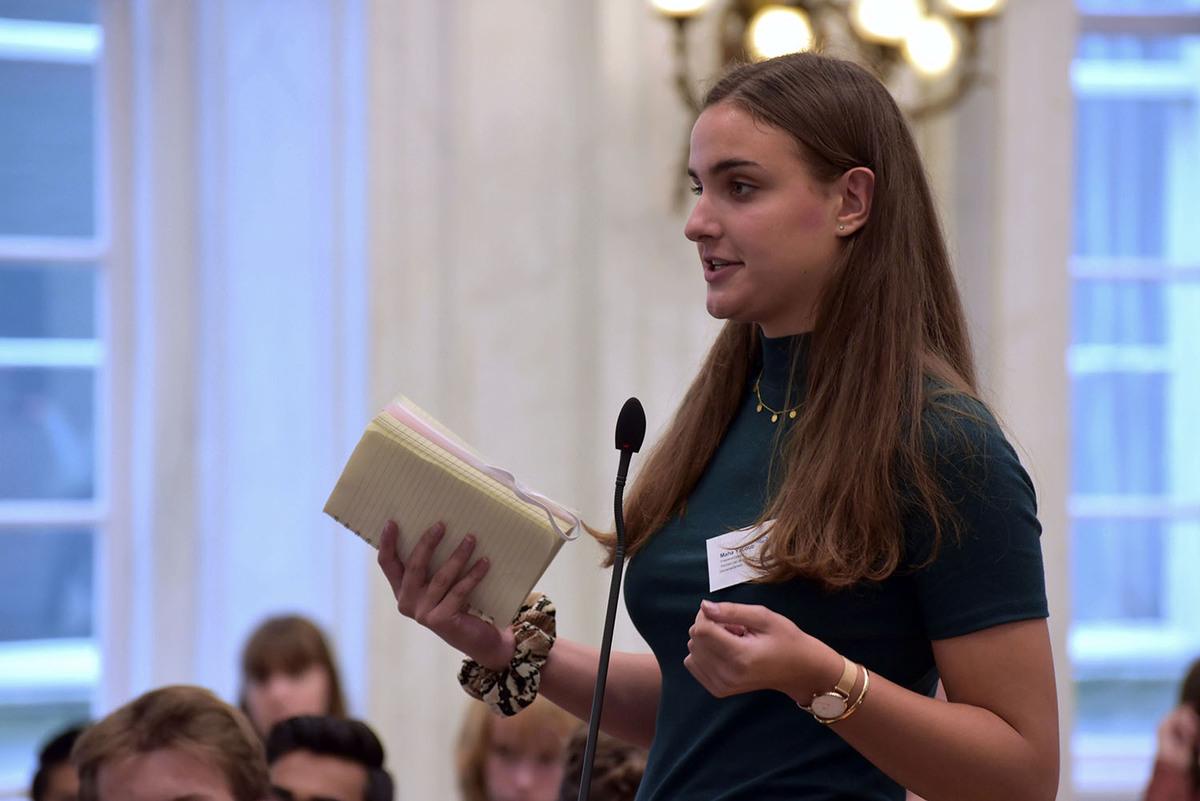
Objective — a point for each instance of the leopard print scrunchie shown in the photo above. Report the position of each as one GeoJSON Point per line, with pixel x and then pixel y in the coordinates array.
{"type": "Point", "coordinates": [514, 688]}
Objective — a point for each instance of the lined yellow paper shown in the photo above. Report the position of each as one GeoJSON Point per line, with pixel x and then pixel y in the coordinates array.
{"type": "Point", "coordinates": [397, 473]}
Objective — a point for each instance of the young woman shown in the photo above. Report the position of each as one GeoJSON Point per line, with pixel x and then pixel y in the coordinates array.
{"type": "Point", "coordinates": [287, 670]}
{"type": "Point", "coordinates": [518, 758]}
{"type": "Point", "coordinates": [887, 530]}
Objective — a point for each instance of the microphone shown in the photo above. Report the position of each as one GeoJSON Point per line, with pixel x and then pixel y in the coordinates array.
{"type": "Point", "coordinates": [631, 430]}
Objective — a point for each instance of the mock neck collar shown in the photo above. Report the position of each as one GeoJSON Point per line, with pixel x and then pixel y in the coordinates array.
{"type": "Point", "coordinates": [778, 356]}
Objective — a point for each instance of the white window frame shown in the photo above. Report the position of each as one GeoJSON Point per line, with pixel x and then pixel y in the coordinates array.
{"type": "Point", "coordinates": [56, 670]}
{"type": "Point", "coordinates": [1118, 766]}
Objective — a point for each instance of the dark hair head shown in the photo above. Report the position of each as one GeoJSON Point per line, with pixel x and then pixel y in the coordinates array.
{"type": "Point", "coordinates": [191, 719]}
{"type": "Point", "coordinates": [339, 737]}
{"type": "Point", "coordinates": [289, 644]}
{"type": "Point", "coordinates": [56, 751]}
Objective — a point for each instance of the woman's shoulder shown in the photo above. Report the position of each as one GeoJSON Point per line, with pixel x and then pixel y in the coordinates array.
{"type": "Point", "coordinates": [966, 444]}
{"type": "Point", "coordinates": [956, 419]}
{"type": "Point", "coordinates": [994, 537]}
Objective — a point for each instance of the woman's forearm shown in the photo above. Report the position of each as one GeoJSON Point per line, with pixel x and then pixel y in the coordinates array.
{"type": "Point", "coordinates": [631, 690]}
{"type": "Point", "coordinates": [943, 750]}
{"type": "Point", "coordinates": [995, 739]}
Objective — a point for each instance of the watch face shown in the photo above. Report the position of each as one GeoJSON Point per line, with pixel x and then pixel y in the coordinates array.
{"type": "Point", "coordinates": [828, 705]}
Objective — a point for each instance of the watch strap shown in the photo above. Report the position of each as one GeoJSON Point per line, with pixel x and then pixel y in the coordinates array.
{"type": "Point", "coordinates": [857, 701]}
{"type": "Point", "coordinates": [849, 678]}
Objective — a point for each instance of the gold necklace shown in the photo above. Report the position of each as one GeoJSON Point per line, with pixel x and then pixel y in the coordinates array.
{"type": "Point", "coordinates": [791, 413]}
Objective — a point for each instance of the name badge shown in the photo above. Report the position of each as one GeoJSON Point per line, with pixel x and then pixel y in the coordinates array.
{"type": "Point", "coordinates": [727, 556]}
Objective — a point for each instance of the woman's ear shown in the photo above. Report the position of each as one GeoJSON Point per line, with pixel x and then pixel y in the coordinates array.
{"type": "Point", "coordinates": [855, 187]}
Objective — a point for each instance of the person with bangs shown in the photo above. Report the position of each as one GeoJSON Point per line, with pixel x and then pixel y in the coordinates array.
{"type": "Point", "coordinates": [833, 520]}
{"type": "Point", "coordinates": [518, 758]}
{"type": "Point", "coordinates": [288, 669]}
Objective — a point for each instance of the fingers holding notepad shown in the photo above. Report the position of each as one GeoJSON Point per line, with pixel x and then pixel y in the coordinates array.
{"type": "Point", "coordinates": [409, 469]}
{"type": "Point", "coordinates": [439, 601]}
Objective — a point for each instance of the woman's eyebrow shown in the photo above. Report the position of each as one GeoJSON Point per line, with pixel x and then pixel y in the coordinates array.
{"type": "Point", "coordinates": [725, 165]}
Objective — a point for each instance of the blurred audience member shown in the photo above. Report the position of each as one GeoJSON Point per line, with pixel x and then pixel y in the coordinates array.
{"type": "Point", "coordinates": [288, 669]}
{"type": "Point", "coordinates": [323, 758]}
{"type": "Point", "coordinates": [1176, 774]}
{"type": "Point", "coordinates": [177, 742]}
{"type": "Point", "coordinates": [520, 758]}
{"type": "Point", "coordinates": [616, 768]}
{"type": "Point", "coordinates": [56, 778]}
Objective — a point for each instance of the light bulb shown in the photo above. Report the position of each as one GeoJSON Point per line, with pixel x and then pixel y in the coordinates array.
{"type": "Point", "coordinates": [931, 46]}
{"type": "Point", "coordinates": [974, 8]}
{"type": "Point", "coordinates": [777, 30]}
{"type": "Point", "coordinates": [679, 8]}
{"type": "Point", "coordinates": [885, 20]}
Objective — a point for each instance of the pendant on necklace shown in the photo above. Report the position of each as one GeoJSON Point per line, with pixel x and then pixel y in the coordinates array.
{"type": "Point", "coordinates": [791, 413]}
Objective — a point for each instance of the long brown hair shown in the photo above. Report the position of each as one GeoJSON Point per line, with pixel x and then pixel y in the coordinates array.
{"type": "Point", "coordinates": [290, 644]}
{"type": "Point", "coordinates": [889, 319]}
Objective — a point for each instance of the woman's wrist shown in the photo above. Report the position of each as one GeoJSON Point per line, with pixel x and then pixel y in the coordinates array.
{"type": "Point", "coordinates": [509, 688]}
{"type": "Point", "coordinates": [837, 699]}
{"type": "Point", "coordinates": [828, 669]}
{"type": "Point", "coordinates": [501, 659]}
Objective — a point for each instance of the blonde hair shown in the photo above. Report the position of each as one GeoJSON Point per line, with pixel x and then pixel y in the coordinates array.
{"type": "Point", "coordinates": [187, 718]}
{"type": "Point", "coordinates": [538, 723]}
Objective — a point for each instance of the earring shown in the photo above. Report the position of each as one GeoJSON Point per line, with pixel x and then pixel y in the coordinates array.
{"type": "Point", "coordinates": [841, 228]}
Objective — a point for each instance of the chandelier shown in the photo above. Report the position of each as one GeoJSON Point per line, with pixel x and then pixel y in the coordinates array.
{"type": "Point", "coordinates": [926, 52]}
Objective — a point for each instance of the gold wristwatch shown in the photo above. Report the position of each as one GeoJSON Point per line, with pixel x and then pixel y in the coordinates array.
{"type": "Point", "coordinates": [833, 704]}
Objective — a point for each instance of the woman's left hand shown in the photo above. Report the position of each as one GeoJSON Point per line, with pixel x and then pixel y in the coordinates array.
{"type": "Point", "coordinates": [736, 648]}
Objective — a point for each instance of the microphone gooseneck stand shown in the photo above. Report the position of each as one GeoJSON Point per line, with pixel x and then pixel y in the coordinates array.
{"type": "Point", "coordinates": [631, 430]}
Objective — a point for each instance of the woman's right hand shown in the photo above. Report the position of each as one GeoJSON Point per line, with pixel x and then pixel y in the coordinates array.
{"type": "Point", "coordinates": [438, 601]}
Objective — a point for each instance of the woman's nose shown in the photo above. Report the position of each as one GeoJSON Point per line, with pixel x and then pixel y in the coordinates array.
{"type": "Point", "coordinates": [277, 687]}
{"type": "Point", "coordinates": [525, 774]}
{"type": "Point", "coordinates": [701, 223]}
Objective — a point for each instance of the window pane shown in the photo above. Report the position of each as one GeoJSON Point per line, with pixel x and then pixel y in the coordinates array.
{"type": "Point", "coordinates": [47, 419]}
{"type": "Point", "coordinates": [1120, 176]}
{"type": "Point", "coordinates": [26, 728]}
{"type": "Point", "coordinates": [1118, 313]}
{"type": "Point", "coordinates": [1127, 47]}
{"type": "Point", "coordinates": [1121, 706]}
{"type": "Point", "coordinates": [39, 300]}
{"type": "Point", "coordinates": [51, 10]}
{"type": "Point", "coordinates": [47, 170]}
{"type": "Point", "coordinates": [1105, 6]}
{"type": "Point", "coordinates": [1118, 433]}
{"type": "Point", "coordinates": [1117, 570]}
{"type": "Point", "coordinates": [45, 583]}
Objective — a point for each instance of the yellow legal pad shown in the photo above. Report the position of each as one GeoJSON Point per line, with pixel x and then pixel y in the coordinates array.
{"type": "Point", "coordinates": [409, 468]}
